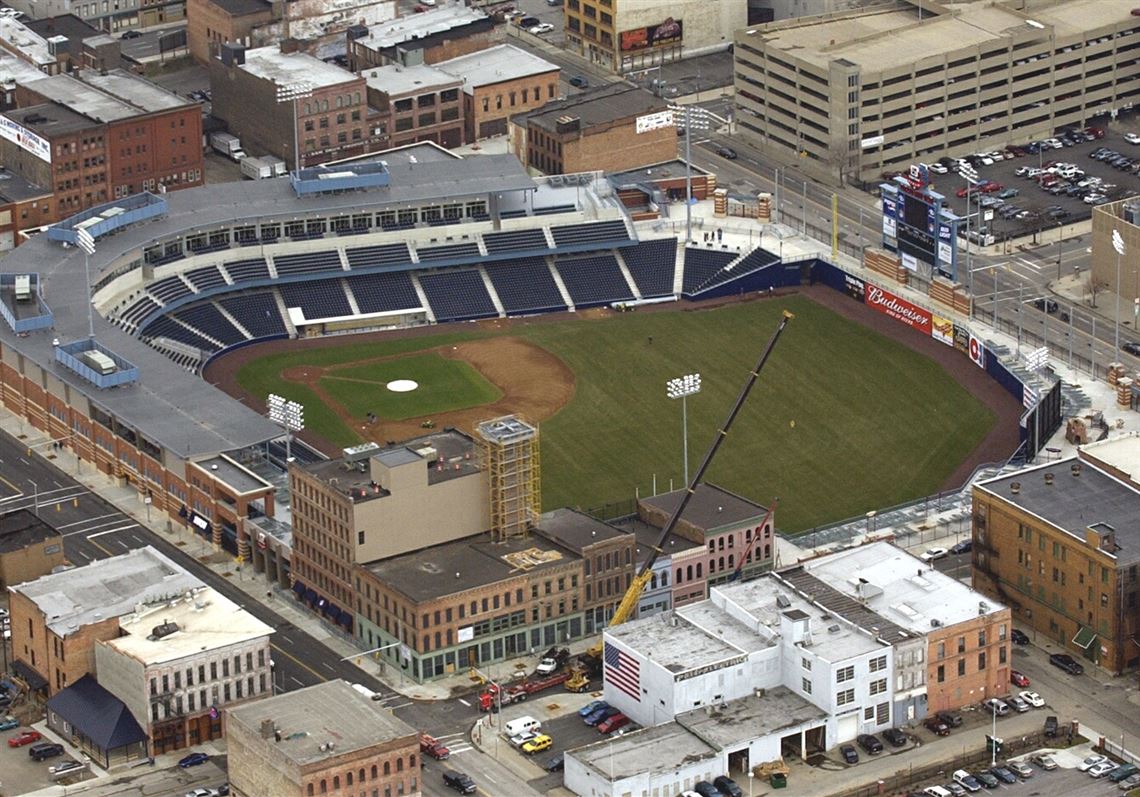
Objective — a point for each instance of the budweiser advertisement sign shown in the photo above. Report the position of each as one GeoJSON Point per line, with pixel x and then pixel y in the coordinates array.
{"type": "Point", "coordinates": [898, 308]}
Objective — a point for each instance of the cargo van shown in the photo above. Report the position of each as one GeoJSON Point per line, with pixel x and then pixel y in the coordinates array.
{"type": "Point", "coordinates": [98, 362]}
{"type": "Point", "coordinates": [368, 693]}
{"type": "Point", "coordinates": [522, 725]}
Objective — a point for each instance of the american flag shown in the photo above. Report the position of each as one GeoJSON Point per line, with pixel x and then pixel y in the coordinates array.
{"type": "Point", "coordinates": [623, 672]}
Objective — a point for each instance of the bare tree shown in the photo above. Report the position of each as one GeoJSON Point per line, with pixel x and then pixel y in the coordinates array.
{"type": "Point", "coordinates": [1096, 286]}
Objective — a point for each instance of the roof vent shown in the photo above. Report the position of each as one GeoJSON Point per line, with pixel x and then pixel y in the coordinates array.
{"type": "Point", "coordinates": [935, 622]}
{"type": "Point", "coordinates": [1075, 469]}
{"type": "Point", "coordinates": [164, 630]}
{"type": "Point", "coordinates": [983, 607]}
{"type": "Point", "coordinates": [1048, 478]}
{"type": "Point", "coordinates": [783, 602]}
{"type": "Point", "coordinates": [833, 629]}
{"type": "Point", "coordinates": [1015, 487]}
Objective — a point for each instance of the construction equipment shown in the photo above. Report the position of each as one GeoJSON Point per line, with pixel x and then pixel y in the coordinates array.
{"type": "Point", "coordinates": [489, 699]}
{"type": "Point", "coordinates": [579, 681]}
{"type": "Point", "coordinates": [628, 604]}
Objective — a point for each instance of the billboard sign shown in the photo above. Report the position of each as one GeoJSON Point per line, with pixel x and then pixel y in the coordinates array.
{"type": "Point", "coordinates": [872, 141]}
{"type": "Point", "coordinates": [854, 287]}
{"type": "Point", "coordinates": [668, 32]}
{"type": "Point", "coordinates": [977, 352]}
{"type": "Point", "coordinates": [25, 139]}
{"type": "Point", "coordinates": [942, 329]}
{"type": "Point", "coordinates": [654, 121]}
{"type": "Point", "coordinates": [898, 308]}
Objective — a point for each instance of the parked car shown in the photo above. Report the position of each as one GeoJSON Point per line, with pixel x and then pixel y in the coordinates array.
{"type": "Point", "coordinates": [8, 723]}
{"type": "Point", "coordinates": [1129, 783]}
{"type": "Point", "coordinates": [1101, 769]}
{"type": "Point", "coordinates": [556, 763]}
{"type": "Point", "coordinates": [591, 707]}
{"type": "Point", "coordinates": [987, 779]}
{"type": "Point", "coordinates": [1021, 769]}
{"type": "Point", "coordinates": [541, 28]}
{"type": "Point", "coordinates": [996, 706]}
{"type": "Point", "coordinates": [459, 781]}
{"type": "Point", "coordinates": [131, 34]}
{"type": "Point", "coordinates": [1067, 663]}
{"type": "Point", "coordinates": [728, 153]}
{"type": "Point", "coordinates": [1015, 677]}
{"type": "Point", "coordinates": [1123, 772]}
{"type": "Point", "coordinates": [1018, 705]}
{"type": "Point", "coordinates": [1032, 698]}
{"type": "Point", "coordinates": [955, 789]}
{"type": "Point", "coordinates": [896, 737]}
{"type": "Point", "coordinates": [1004, 774]}
{"type": "Point", "coordinates": [936, 725]}
{"type": "Point", "coordinates": [934, 554]}
{"type": "Point", "coordinates": [579, 82]}
{"type": "Point", "coordinates": [1018, 637]}
{"type": "Point", "coordinates": [706, 789]}
{"type": "Point", "coordinates": [965, 546]}
{"type": "Point", "coordinates": [25, 738]}
{"type": "Point", "coordinates": [950, 718]}
{"type": "Point", "coordinates": [193, 760]}
{"type": "Point", "coordinates": [1131, 348]}
{"type": "Point", "coordinates": [1050, 726]}
{"type": "Point", "coordinates": [869, 743]}
{"type": "Point", "coordinates": [849, 754]}
{"type": "Point", "coordinates": [1091, 762]}
{"type": "Point", "coordinates": [518, 740]}
{"type": "Point", "coordinates": [1045, 761]}
{"type": "Point", "coordinates": [613, 723]}
{"type": "Point", "coordinates": [1132, 138]}
{"type": "Point", "coordinates": [967, 781]}
{"type": "Point", "coordinates": [728, 786]}
{"type": "Point", "coordinates": [202, 792]}
{"type": "Point", "coordinates": [600, 715]}
{"type": "Point", "coordinates": [537, 744]}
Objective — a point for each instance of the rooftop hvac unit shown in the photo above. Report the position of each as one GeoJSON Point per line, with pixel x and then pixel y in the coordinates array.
{"type": "Point", "coordinates": [1132, 212]}
{"type": "Point", "coordinates": [164, 630]}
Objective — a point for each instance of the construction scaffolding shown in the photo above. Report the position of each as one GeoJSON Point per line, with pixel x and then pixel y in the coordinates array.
{"type": "Point", "coordinates": [510, 454]}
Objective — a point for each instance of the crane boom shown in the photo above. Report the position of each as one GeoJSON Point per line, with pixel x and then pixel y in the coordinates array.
{"type": "Point", "coordinates": [632, 595]}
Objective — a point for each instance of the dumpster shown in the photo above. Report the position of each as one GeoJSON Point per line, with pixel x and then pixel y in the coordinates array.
{"type": "Point", "coordinates": [778, 780]}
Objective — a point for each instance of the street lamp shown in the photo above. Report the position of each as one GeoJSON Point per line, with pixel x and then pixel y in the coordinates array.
{"type": "Point", "coordinates": [1118, 245]}
{"type": "Point", "coordinates": [291, 92]}
{"type": "Point", "coordinates": [698, 116]}
{"type": "Point", "coordinates": [682, 387]}
{"type": "Point", "coordinates": [290, 416]}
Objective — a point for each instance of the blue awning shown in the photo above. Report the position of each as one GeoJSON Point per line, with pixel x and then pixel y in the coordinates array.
{"type": "Point", "coordinates": [299, 588]}
{"type": "Point", "coordinates": [345, 618]}
{"type": "Point", "coordinates": [330, 609]}
{"type": "Point", "coordinates": [310, 595]}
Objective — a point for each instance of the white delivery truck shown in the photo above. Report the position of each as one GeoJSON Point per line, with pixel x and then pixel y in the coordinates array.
{"type": "Point", "coordinates": [228, 145]}
{"type": "Point", "coordinates": [278, 165]}
{"type": "Point", "coordinates": [256, 169]}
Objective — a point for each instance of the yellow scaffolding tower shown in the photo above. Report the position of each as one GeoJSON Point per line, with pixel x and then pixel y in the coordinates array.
{"type": "Point", "coordinates": [510, 454]}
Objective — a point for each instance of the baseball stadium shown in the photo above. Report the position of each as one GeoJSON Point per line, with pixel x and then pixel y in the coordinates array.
{"type": "Point", "coordinates": [392, 297]}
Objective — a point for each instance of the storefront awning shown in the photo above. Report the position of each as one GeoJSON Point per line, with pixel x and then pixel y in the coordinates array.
{"type": "Point", "coordinates": [299, 588]}
{"type": "Point", "coordinates": [1084, 638]}
{"type": "Point", "coordinates": [33, 679]}
{"type": "Point", "coordinates": [345, 618]}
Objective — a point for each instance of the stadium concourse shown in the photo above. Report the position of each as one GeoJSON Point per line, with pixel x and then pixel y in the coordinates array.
{"type": "Point", "coordinates": [175, 279]}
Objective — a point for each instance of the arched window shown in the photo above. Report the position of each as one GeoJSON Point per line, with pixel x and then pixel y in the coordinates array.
{"type": "Point", "coordinates": [731, 541]}
{"type": "Point", "coordinates": [712, 546]}
{"type": "Point", "coordinates": [747, 535]}
{"type": "Point", "coordinates": [699, 570]}
{"type": "Point", "coordinates": [627, 555]}
{"type": "Point", "coordinates": [767, 551]}
{"type": "Point", "coordinates": [308, 109]}
{"type": "Point", "coordinates": [412, 761]}
{"type": "Point", "coordinates": [361, 774]}
{"type": "Point", "coordinates": [399, 765]}
{"type": "Point", "coordinates": [689, 572]}
{"type": "Point", "coordinates": [731, 563]}
{"type": "Point", "coordinates": [375, 772]}
{"type": "Point", "coordinates": [348, 778]}
{"type": "Point", "coordinates": [664, 578]}
{"type": "Point", "coordinates": [324, 786]}
{"type": "Point", "coordinates": [310, 790]}
{"type": "Point", "coordinates": [720, 564]}
{"type": "Point", "coordinates": [336, 782]}
{"type": "Point", "coordinates": [357, 98]}
{"type": "Point", "coordinates": [387, 768]}
{"type": "Point", "coordinates": [678, 575]}
{"type": "Point", "coordinates": [339, 101]}
{"type": "Point", "coordinates": [653, 581]}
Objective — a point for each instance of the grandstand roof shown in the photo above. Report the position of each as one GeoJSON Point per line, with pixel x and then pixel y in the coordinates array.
{"type": "Point", "coordinates": [168, 404]}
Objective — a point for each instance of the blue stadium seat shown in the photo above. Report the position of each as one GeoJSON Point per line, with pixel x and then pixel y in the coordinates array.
{"type": "Point", "coordinates": [139, 310]}
{"type": "Point", "coordinates": [457, 295]}
{"type": "Point", "coordinates": [701, 265]}
{"type": "Point", "coordinates": [257, 312]}
{"type": "Point", "coordinates": [593, 280]}
{"type": "Point", "coordinates": [207, 318]}
{"type": "Point", "coordinates": [307, 263]}
{"type": "Point", "coordinates": [514, 241]}
{"type": "Point", "coordinates": [205, 278]}
{"type": "Point", "coordinates": [164, 327]}
{"type": "Point", "coordinates": [317, 298]}
{"type": "Point", "coordinates": [525, 286]}
{"type": "Point", "coordinates": [651, 264]}
{"type": "Point", "coordinates": [373, 256]}
{"type": "Point", "coordinates": [600, 232]}
{"type": "Point", "coordinates": [753, 261]}
{"type": "Point", "coordinates": [169, 289]}
{"type": "Point", "coordinates": [248, 270]}
{"type": "Point", "coordinates": [384, 291]}
{"type": "Point", "coordinates": [463, 251]}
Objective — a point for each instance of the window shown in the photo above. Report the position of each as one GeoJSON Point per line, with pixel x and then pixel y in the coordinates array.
{"type": "Point", "coordinates": [961, 644]}
{"type": "Point", "coordinates": [878, 664]}
{"type": "Point", "coordinates": [883, 713]}
{"type": "Point", "coordinates": [879, 687]}
{"type": "Point", "coordinates": [845, 674]}
{"type": "Point", "coordinates": [869, 713]}
{"type": "Point", "coordinates": [805, 663]}
{"type": "Point", "coordinates": [982, 638]}
{"type": "Point", "coordinates": [806, 684]}
{"type": "Point", "coordinates": [961, 666]}
{"type": "Point", "coordinates": [941, 673]}
{"type": "Point", "coordinates": [845, 697]}
{"type": "Point", "coordinates": [1001, 655]}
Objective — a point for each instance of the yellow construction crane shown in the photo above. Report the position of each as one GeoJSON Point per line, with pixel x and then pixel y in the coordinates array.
{"type": "Point", "coordinates": [628, 604]}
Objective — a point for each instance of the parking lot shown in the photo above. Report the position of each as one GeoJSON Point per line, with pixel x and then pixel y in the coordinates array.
{"type": "Point", "coordinates": [21, 774]}
{"type": "Point", "coordinates": [1031, 197]}
{"type": "Point", "coordinates": [1068, 781]}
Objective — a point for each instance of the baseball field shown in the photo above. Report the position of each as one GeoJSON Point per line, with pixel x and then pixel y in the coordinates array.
{"type": "Point", "coordinates": [846, 417]}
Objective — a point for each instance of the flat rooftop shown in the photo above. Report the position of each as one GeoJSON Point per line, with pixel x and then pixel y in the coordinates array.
{"type": "Point", "coordinates": [609, 103]}
{"type": "Point", "coordinates": [881, 40]}
{"type": "Point", "coordinates": [396, 79]}
{"type": "Point", "coordinates": [711, 507]}
{"type": "Point", "coordinates": [134, 89]}
{"type": "Point", "coordinates": [716, 622]}
{"type": "Point", "coordinates": [403, 30]}
{"type": "Point", "coordinates": [575, 530]}
{"type": "Point", "coordinates": [725, 725]}
{"type": "Point", "coordinates": [840, 603]}
{"type": "Point", "coordinates": [269, 63]}
{"type": "Point", "coordinates": [468, 563]}
{"type": "Point", "coordinates": [663, 170]}
{"type": "Point", "coordinates": [657, 750]}
{"type": "Point", "coordinates": [495, 65]}
{"type": "Point", "coordinates": [1121, 454]}
{"type": "Point", "coordinates": [25, 40]}
{"type": "Point", "coordinates": [106, 588]}
{"type": "Point", "coordinates": [678, 646]}
{"type": "Point", "coordinates": [233, 474]}
{"type": "Point", "coordinates": [16, 70]}
{"type": "Point", "coordinates": [51, 118]}
{"type": "Point", "coordinates": [240, 8]}
{"type": "Point", "coordinates": [647, 535]}
{"type": "Point", "coordinates": [1073, 503]}
{"type": "Point", "coordinates": [172, 406]}
{"type": "Point", "coordinates": [900, 587]}
{"type": "Point", "coordinates": [83, 98]}
{"type": "Point", "coordinates": [328, 712]}
{"type": "Point", "coordinates": [206, 620]}
{"type": "Point", "coordinates": [16, 188]}
{"type": "Point", "coordinates": [22, 528]}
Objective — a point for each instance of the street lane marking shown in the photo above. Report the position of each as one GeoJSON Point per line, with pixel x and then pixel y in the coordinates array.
{"type": "Point", "coordinates": [111, 531]}
{"type": "Point", "coordinates": [300, 664]}
{"type": "Point", "coordinates": [88, 520]}
{"type": "Point", "coordinates": [464, 702]}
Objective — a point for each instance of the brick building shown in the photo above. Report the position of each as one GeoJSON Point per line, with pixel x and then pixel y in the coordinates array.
{"type": "Point", "coordinates": [58, 619]}
{"type": "Point", "coordinates": [615, 128]}
{"type": "Point", "coordinates": [440, 33]}
{"type": "Point", "coordinates": [416, 103]}
{"type": "Point", "coordinates": [1059, 543]}
{"type": "Point", "coordinates": [212, 23]}
{"type": "Point", "coordinates": [29, 548]}
{"type": "Point", "coordinates": [330, 123]}
{"type": "Point", "coordinates": [498, 82]}
{"type": "Point", "coordinates": [323, 739]}
{"type": "Point", "coordinates": [24, 205]}
{"type": "Point", "coordinates": [729, 529]}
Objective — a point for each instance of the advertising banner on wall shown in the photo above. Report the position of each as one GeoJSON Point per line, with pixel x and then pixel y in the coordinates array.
{"type": "Point", "coordinates": [668, 32]}
{"type": "Point", "coordinates": [942, 329]}
{"type": "Point", "coordinates": [654, 121]}
{"type": "Point", "coordinates": [854, 287]}
{"type": "Point", "coordinates": [962, 339]}
{"type": "Point", "coordinates": [25, 139]}
{"type": "Point", "coordinates": [898, 308]}
{"type": "Point", "coordinates": [977, 352]}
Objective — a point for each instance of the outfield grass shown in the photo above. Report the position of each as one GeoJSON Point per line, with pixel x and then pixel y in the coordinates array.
{"type": "Point", "coordinates": [444, 385]}
{"type": "Point", "coordinates": [842, 420]}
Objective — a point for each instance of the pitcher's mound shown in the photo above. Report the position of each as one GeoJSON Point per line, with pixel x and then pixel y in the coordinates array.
{"type": "Point", "coordinates": [402, 385]}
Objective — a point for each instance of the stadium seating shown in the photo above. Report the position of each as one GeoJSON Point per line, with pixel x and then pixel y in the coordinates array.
{"type": "Point", "coordinates": [514, 241]}
{"type": "Point", "coordinates": [317, 298]}
{"type": "Point", "coordinates": [701, 265]}
{"type": "Point", "coordinates": [379, 293]}
{"type": "Point", "coordinates": [248, 270]}
{"type": "Point", "coordinates": [551, 209]}
{"type": "Point", "coordinates": [600, 232]}
{"type": "Point", "coordinates": [464, 251]}
{"type": "Point", "coordinates": [593, 280]}
{"type": "Point", "coordinates": [457, 295]}
{"type": "Point", "coordinates": [208, 319]}
{"type": "Point", "coordinates": [517, 213]}
{"type": "Point", "coordinates": [205, 278]}
{"type": "Point", "coordinates": [307, 263]}
{"type": "Point", "coordinates": [164, 327]}
{"type": "Point", "coordinates": [257, 312]}
{"type": "Point", "coordinates": [373, 256]}
{"type": "Point", "coordinates": [139, 310]}
{"type": "Point", "coordinates": [168, 290]}
{"type": "Point", "coordinates": [525, 286]}
{"type": "Point", "coordinates": [651, 264]}
{"type": "Point", "coordinates": [754, 260]}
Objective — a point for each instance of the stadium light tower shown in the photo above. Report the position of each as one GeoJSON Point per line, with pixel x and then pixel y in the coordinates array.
{"type": "Point", "coordinates": [1118, 245]}
{"type": "Point", "coordinates": [86, 242]}
{"type": "Point", "coordinates": [970, 175]}
{"type": "Point", "coordinates": [695, 116]}
{"type": "Point", "coordinates": [682, 387]}
{"type": "Point", "coordinates": [290, 416]}
{"type": "Point", "coordinates": [291, 92]}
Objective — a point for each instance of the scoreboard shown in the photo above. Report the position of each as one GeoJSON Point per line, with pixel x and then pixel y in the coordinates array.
{"type": "Point", "coordinates": [916, 226]}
